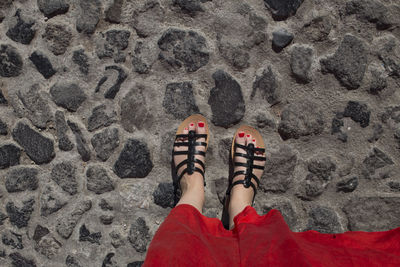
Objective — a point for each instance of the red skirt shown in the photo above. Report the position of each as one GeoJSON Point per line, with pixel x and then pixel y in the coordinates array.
{"type": "Point", "coordinates": [188, 238]}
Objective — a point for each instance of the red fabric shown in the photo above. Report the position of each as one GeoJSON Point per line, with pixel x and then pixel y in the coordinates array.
{"type": "Point", "coordinates": [188, 238]}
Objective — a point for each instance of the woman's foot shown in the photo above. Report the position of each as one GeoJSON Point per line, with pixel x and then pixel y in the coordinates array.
{"type": "Point", "coordinates": [240, 197]}
{"type": "Point", "coordinates": [192, 185]}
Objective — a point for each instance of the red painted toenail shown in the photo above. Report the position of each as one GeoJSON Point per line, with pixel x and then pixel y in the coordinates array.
{"type": "Point", "coordinates": [201, 124]}
{"type": "Point", "coordinates": [248, 135]}
{"type": "Point", "coordinates": [241, 134]}
{"type": "Point", "coordinates": [192, 124]}
{"type": "Point", "coordinates": [254, 140]}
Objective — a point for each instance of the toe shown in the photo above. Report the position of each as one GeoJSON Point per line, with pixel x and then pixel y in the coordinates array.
{"type": "Point", "coordinates": [201, 129]}
{"type": "Point", "coordinates": [192, 126]}
{"type": "Point", "coordinates": [249, 139]}
{"type": "Point", "coordinates": [240, 139]}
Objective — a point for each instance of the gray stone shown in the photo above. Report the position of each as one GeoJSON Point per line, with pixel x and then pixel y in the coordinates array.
{"type": "Point", "coordinates": [20, 217]}
{"type": "Point", "coordinates": [19, 179]}
{"type": "Point", "coordinates": [113, 13]}
{"type": "Point", "coordinates": [22, 31]}
{"type": "Point", "coordinates": [38, 147]}
{"type": "Point", "coordinates": [85, 235]}
{"type": "Point", "coordinates": [66, 223]}
{"type": "Point", "coordinates": [323, 220]}
{"type": "Point", "coordinates": [104, 205]}
{"type": "Point", "coordinates": [135, 113]}
{"type": "Point", "coordinates": [394, 186]}
{"type": "Point", "coordinates": [349, 62]}
{"type": "Point", "coordinates": [64, 174]}
{"type": "Point", "coordinates": [46, 244]}
{"type": "Point", "coordinates": [179, 100]}
{"type": "Point", "coordinates": [29, 103]}
{"type": "Point", "coordinates": [286, 209]}
{"type": "Point", "coordinates": [98, 180]}
{"type": "Point", "coordinates": [82, 60]}
{"type": "Point", "coordinates": [12, 239]}
{"type": "Point", "coordinates": [51, 201]}
{"type": "Point", "coordinates": [10, 63]}
{"type": "Point", "coordinates": [372, 213]}
{"type": "Point", "coordinates": [358, 112]}
{"type": "Point", "coordinates": [51, 8]}
{"type": "Point", "coordinates": [319, 28]}
{"type": "Point", "coordinates": [378, 83]}
{"type": "Point", "coordinates": [301, 119]}
{"type": "Point", "coordinates": [369, 10]}
{"type": "Point", "coordinates": [389, 55]}
{"type": "Point", "coordinates": [221, 185]}
{"type": "Point", "coordinates": [144, 57]}
{"type": "Point", "coordinates": [68, 95]}
{"type": "Point", "coordinates": [191, 7]}
{"type": "Point", "coordinates": [348, 185]}
{"type": "Point", "coordinates": [147, 18]}
{"type": "Point", "coordinates": [322, 167]}
{"type": "Point", "coordinates": [164, 195]}
{"type": "Point", "coordinates": [40, 232]}
{"type": "Point", "coordinates": [9, 155]}
{"type": "Point", "coordinates": [102, 116]}
{"type": "Point", "coordinates": [264, 119]}
{"type": "Point", "coordinates": [226, 100]}
{"type": "Point", "coordinates": [3, 128]}
{"type": "Point", "coordinates": [72, 262]}
{"type": "Point", "coordinates": [2, 217]}
{"type": "Point", "coordinates": [105, 142]}
{"type": "Point", "coordinates": [116, 239]}
{"type": "Point", "coordinates": [266, 83]}
{"type": "Point", "coordinates": [183, 48]}
{"type": "Point", "coordinates": [281, 38]}
{"type": "Point", "coordinates": [58, 38]}
{"type": "Point", "coordinates": [300, 63]}
{"type": "Point", "coordinates": [166, 145]}
{"type": "Point", "coordinates": [224, 148]}
{"type": "Point", "coordinates": [392, 112]}
{"type": "Point", "coordinates": [83, 148]}
{"type": "Point", "coordinates": [377, 133]}
{"type": "Point", "coordinates": [112, 45]}
{"type": "Point", "coordinates": [134, 160]}
{"type": "Point", "coordinates": [139, 235]}
{"type": "Point", "coordinates": [278, 173]}
{"type": "Point", "coordinates": [106, 219]}
{"type": "Point", "coordinates": [237, 56]}
{"type": "Point", "coordinates": [282, 9]}
{"type": "Point", "coordinates": [61, 126]}
{"type": "Point", "coordinates": [375, 160]}
{"type": "Point", "coordinates": [90, 11]}
{"type": "Point", "coordinates": [312, 187]}
{"type": "Point", "coordinates": [17, 260]}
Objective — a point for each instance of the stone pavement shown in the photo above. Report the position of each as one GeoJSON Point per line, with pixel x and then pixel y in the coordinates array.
{"type": "Point", "coordinates": [91, 93]}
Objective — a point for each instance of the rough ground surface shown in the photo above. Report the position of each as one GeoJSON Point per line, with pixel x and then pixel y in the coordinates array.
{"type": "Point", "coordinates": [91, 93]}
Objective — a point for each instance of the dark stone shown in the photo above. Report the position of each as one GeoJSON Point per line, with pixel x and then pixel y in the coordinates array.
{"type": "Point", "coordinates": [321, 167]}
{"type": "Point", "coordinates": [375, 160]}
{"type": "Point", "coordinates": [85, 235]}
{"type": "Point", "coordinates": [336, 128]}
{"type": "Point", "coordinates": [377, 133]}
{"type": "Point", "coordinates": [389, 55]}
{"type": "Point", "coordinates": [134, 160]}
{"type": "Point", "coordinates": [10, 64]}
{"type": "Point", "coordinates": [98, 180]}
{"type": "Point", "coordinates": [90, 12]}
{"type": "Point", "coordinates": [51, 201]}
{"type": "Point", "coordinates": [38, 147]}
{"type": "Point", "coordinates": [135, 264]}
{"type": "Point", "coordinates": [113, 90]}
{"type": "Point", "coordinates": [237, 56]}
{"type": "Point", "coordinates": [2, 217]}
{"type": "Point", "coordinates": [112, 46]}
{"type": "Point", "coordinates": [348, 185]}
{"type": "Point", "coordinates": [48, 246]}
{"type": "Point", "coordinates": [83, 148]}
{"type": "Point", "coordinates": [164, 195]}
{"type": "Point", "coordinates": [58, 38]}
{"type": "Point", "coordinates": [12, 239]}
{"type": "Point", "coordinates": [3, 100]}
{"type": "Point", "coordinates": [300, 63]}
{"type": "Point", "coordinates": [282, 9]}
{"type": "Point", "coordinates": [394, 186]}
{"type": "Point", "coordinates": [135, 113]}
{"type": "Point", "coordinates": [278, 173]}
{"type": "Point", "coordinates": [281, 38]}
{"type": "Point", "coordinates": [349, 62]}
{"type": "Point", "coordinates": [20, 179]}
{"type": "Point", "coordinates": [392, 112]}
{"type": "Point", "coordinates": [100, 83]}
{"type": "Point", "coordinates": [82, 60]}
{"type": "Point", "coordinates": [372, 213]}
{"type": "Point", "coordinates": [105, 142]}
{"type": "Point", "coordinates": [51, 8]}
{"type": "Point", "coordinates": [301, 119]}
{"type": "Point", "coordinates": [19, 217]}
{"type": "Point", "coordinates": [106, 219]}
{"type": "Point", "coordinates": [42, 64]}
{"type": "Point", "coordinates": [3, 130]}
{"type": "Point", "coordinates": [312, 187]}
{"type": "Point", "coordinates": [183, 48]}
{"type": "Point", "coordinates": [72, 262]}
{"type": "Point", "coordinates": [323, 220]}
{"type": "Point", "coordinates": [286, 209]}
{"type": "Point", "coordinates": [28, 102]}
{"type": "Point", "coordinates": [66, 224]}
{"type": "Point", "coordinates": [226, 100]}
{"type": "Point", "coordinates": [108, 262]}
{"type": "Point", "coordinates": [68, 95]}
{"type": "Point", "coordinates": [371, 11]}
{"type": "Point", "coordinates": [104, 205]}
{"type": "Point", "coordinates": [113, 13]}
{"type": "Point", "coordinates": [21, 32]}
{"type": "Point", "coordinates": [318, 28]}
{"type": "Point", "coordinates": [139, 235]}
{"type": "Point", "coordinates": [61, 126]}
{"type": "Point", "coordinates": [224, 147]}
{"type": "Point", "coordinates": [179, 100]}
{"type": "Point", "coordinates": [64, 174]}
{"type": "Point", "coordinates": [40, 232]}
{"type": "Point", "coordinates": [9, 155]}
{"type": "Point", "coordinates": [358, 112]}
{"type": "Point", "coordinates": [267, 85]}
{"type": "Point", "coordinates": [102, 116]}
{"type": "Point", "coordinates": [191, 7]}
{"type": "Point", "coordinates": [17, 260]}
{"type": "Point", "coordinates": [378, 83]}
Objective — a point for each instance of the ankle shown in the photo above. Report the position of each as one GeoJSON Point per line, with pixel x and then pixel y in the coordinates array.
{"type": "Point", "coordinates": [193, 182]}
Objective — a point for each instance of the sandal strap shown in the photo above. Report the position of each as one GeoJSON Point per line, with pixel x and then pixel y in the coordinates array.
{"type": "Point", "coordinates": [247, 156]}
{"type": "Point", "coordinates": [187, 144]}
{"type": "Point", "coordinates": [187, 135]}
